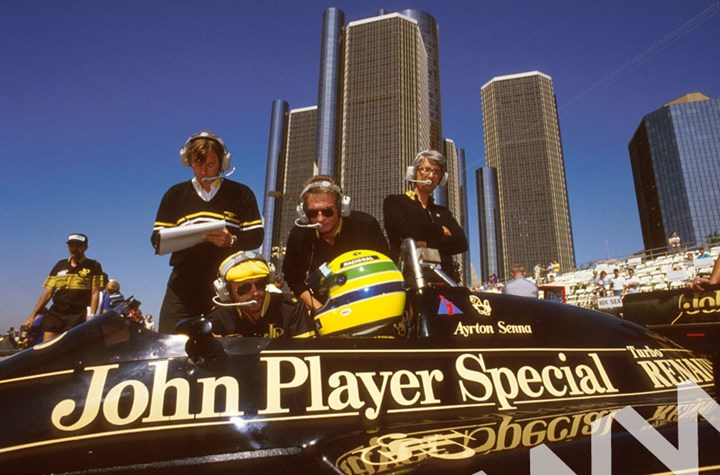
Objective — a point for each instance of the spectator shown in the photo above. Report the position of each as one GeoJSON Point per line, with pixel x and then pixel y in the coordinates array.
{"type": "Point", "coordinates": [208, 197]}
{"type": "Point", "coordinates": [702, 253]}
{"type": "Point", "coordinates": [617, 283]}
{"type": "Point", "coordinates": [519, 285]}
{"type": "Point", "coordinates": [537, 272]}
{"type": "Point", "coordinates": [674, 242]}
{"type": "Point", "coordinates": [149, 323]}
{"type": "Point", "coordinates": [74, 286]}
{"type": "Point", "coordinates": [111, 296]}
{"type": "Point", "coordinates": [600, 284]}
{"type": "Point", "coordinates": [632, 283]}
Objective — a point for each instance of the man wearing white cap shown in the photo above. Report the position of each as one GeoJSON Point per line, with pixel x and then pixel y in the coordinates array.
{"type": "Point", "coordinates": [74, 284]}
{"type": "Point", "coordinates": [245, 308]}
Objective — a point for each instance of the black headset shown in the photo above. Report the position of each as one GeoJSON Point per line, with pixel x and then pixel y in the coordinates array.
{"type": "Point", "coordinates": [222, 289]}
{"type": "Point", "coordinates": [410, 172]}
{"type": "Point", "coordinates": [224, 160]}
{"type": "Point", "coordinates": [342, 202]}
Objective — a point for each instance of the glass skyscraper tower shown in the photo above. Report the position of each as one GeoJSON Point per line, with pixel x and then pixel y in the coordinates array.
{"type": "Point", "coordinates": [378, 105]}
{"type": "Point", "coordinates": [522, 143]}
{"type": "Point", "coordinates": [675, 157]}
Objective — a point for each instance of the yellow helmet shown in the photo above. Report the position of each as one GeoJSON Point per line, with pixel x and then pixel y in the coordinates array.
{"type": "Point", "coordinates": [365, 293]}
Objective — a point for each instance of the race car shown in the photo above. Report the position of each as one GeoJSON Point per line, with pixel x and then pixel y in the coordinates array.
{"type": "Point", "coordinates": [409, 373]}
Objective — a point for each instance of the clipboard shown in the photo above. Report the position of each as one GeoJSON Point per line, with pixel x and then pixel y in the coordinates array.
{"type": "Point", "coordinates": [183, 237]}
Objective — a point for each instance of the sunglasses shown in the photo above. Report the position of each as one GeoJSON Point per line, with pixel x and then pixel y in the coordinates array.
{"type": "Point", "coordinates": [258, 284]}
{"type": "Point", "coordinates": [327, 212]}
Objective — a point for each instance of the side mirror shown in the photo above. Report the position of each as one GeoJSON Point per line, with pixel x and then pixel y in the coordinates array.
{"type": "Point", "coordinates": [201, 344]}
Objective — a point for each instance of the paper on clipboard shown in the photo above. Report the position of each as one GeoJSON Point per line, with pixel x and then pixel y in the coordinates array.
{"type": "Point", "coordinates": [183, 237]}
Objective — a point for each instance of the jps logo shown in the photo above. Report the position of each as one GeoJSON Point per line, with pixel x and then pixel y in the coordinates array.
{"type": "Point", "coordinates": [84, 272]}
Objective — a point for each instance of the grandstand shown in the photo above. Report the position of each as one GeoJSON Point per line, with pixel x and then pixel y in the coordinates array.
{"type": "Point", "coordinates": [662, 272]}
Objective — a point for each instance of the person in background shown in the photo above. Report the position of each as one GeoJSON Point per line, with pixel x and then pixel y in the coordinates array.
{"type": "Point", "coordinates": [674, 242]}
{"type": "Point", "coordinates": [208, 197]}
{"type": "Point", "coordinates": [617, 283]}
{"type": "Point", "coordinates": [537, 272]}
{"type": "Point", "coordinates": [414, 214]}
{"type": "Point", "coordinates": [632, 283]}
{"type": "Point", "coordinates": [74, 286]}
{"type": "Point", "coordinates": [600, 285]}
{"type": "Point", "coordinates": [111, 296]}
{"type": "Point", "coordinates": [149, 323]}
{"type": "Point", "coordinates": [519, 285]}
{"type": "Point", "coordinates": [700, 284]}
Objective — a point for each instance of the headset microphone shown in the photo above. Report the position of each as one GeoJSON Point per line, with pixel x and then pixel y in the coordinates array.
{"type": "Point", "coordinates": [239, 304]}
{"type": "Point", "coordinates": [302, 225]}
{"type": "Point", "coordinates": [221, 175]}
{"type": "Point", "coordinates": [424, 182]}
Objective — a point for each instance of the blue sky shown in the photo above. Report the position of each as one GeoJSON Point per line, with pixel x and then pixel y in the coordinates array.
{"type": "Point", "coordinates": [97, 97]}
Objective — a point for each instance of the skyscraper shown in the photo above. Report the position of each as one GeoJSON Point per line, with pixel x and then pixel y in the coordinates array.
{"type": "Point", "coordinates": [274, 176]}
{"type": "Point", "coordinates": [675, 157]}
{"type": "Point", "coordinates": [378, 105]}
{"type": "Point", "coordinates": [490, 240]}
{"type": "Point", "coordinates": [300, 164]}
{"type": "Point", "coordinates": [385, 108]}
{"type": "Point", "coordinates": [522, 142]}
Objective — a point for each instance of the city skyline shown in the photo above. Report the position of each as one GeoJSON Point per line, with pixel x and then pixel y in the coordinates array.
{"type": "Point", "coordinates": [100, 97]}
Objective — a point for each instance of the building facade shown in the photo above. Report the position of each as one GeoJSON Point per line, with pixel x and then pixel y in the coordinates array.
{"type": "Point", "coordinates": [385, 119]}
{"type": "Point", "coordinates": [675, 158]}
{"type": "Point", "coordinates": [490, 238]}
{"type": "Point", "coordinates": [379, 104]}
{"type": "Point", "coordinates": [522, 143]}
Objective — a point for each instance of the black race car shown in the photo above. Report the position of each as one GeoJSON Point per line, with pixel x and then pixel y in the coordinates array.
{"type": "Point", "coordinates": [471, 383]}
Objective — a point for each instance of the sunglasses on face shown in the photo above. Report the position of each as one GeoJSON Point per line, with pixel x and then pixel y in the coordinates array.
{"type": "Point", "coordinates": [327, 212]}
{"type": "Point", "coordinates": [258, 284]}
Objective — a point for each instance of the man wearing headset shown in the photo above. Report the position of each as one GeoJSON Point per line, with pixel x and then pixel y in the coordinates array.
{"type": "Point", "coordinates": [246, 308]}
{"type": "Point", "coordinates": [415, 214]}
{"type": "Point", "coordinates": [326, 228]}
{"type": "Point", "coordinates": [208, 197]}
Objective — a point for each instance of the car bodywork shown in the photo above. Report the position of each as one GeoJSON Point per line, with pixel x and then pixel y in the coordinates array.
{"type": "Point", "coordinates": [472, 383]}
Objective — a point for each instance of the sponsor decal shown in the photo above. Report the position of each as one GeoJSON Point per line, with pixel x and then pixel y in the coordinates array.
{"type": "Point", "coordinates": [481, 306]}
{"type": "Point", "coordinates": [447, 307]}
{"type": "Point", "coordinates": [698, 305]}
{"type": "Point", "coordinates": [478, 381]}
{"type": "Point", "coordinates": [358, 260]}
{"type": "Point", "coordinates": [666, 372]}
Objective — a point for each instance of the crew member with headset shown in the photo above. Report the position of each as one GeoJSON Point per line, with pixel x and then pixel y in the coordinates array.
{"type": "Point", "coordinates": [325, 228]}
{"type": "Point", "coordinates": [415, 214]}
{"type": "Point", "coordinates": [208, 197]}
{"type": "Point", "coordinates": [245, 308]}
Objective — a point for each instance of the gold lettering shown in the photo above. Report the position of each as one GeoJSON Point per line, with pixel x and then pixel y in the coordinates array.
{"type": "Point", "coordinates": [232, 397]}
{"type": "Point", "coordinates": [653, 372]}
{"type": "Point", "coordinates": [139, 402]}
{"type": "Point", "coordinates": [157, 398]}
{"type": "Point", "coordinates": [91, 407]}
{"type": "Point", "coordinates": [275, 385]}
